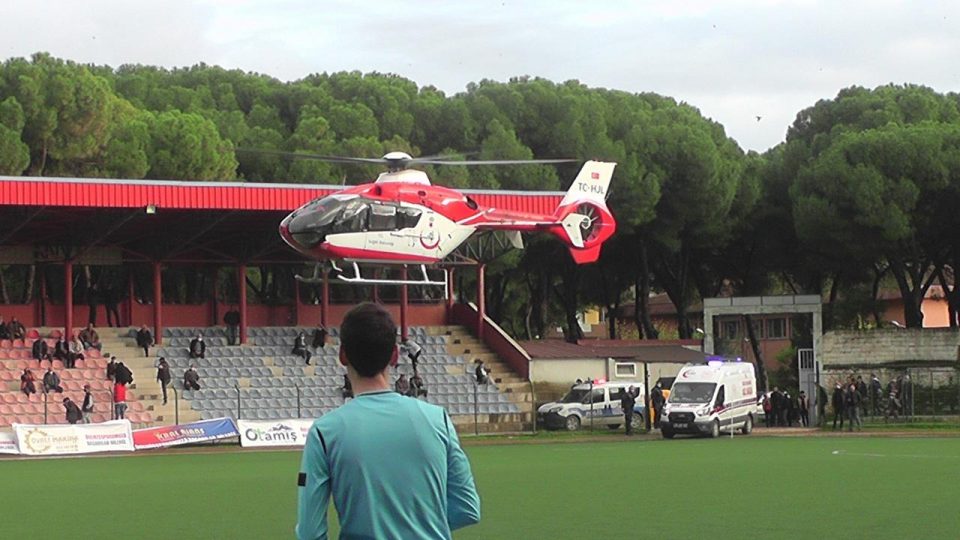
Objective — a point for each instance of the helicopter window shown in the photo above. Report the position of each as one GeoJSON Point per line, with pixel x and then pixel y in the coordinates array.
{"type": "Point", "coordinates": [353, 218]}
{"type": "Point", "coordinates": [408, 218]}
{"type": "Point", "coordinates": [383, 217]}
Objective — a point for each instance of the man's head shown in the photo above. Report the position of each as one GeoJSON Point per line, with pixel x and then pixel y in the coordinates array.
{"type": "Point", "coordinates": [86, 388]}
{"type": "Point", "coordinates": [89, 326]}
{"type": "Point", "coordinates": [143, 327]}
{"type": "Point", "coordinates": [193, 367]}
{"type": "Point", "coordinates": [368, 340]}
{"type": "Point", "coordinates": [66, 400]}
{"type": "Point", "coordinates": [199, 337]}
{"type": "Point", "coordinates": [49, 369]}
{"type": "Point", "coordinates": [162, 360]}
{"type": "Point", "coordinates": [113, 358]}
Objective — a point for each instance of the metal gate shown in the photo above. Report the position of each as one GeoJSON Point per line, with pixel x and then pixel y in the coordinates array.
{"type": "Point", "coordinates": [809, 376]}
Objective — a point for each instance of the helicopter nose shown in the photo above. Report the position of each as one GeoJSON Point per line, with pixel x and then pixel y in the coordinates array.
{"type": "Point", "coordinates": [298, 231]}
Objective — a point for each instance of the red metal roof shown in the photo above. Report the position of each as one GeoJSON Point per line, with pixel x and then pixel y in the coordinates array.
{"type": "Point", "coordinates": [679, 351]}
{"type": "Point", "coordinates": [176, 195]}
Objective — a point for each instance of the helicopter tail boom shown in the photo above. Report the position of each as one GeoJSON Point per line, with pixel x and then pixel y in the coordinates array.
{"type": "Point", "coordinates": [585, 221]}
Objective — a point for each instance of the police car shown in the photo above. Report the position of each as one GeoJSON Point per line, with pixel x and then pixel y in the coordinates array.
{"type": "Point", "coordinates": [597, 402]}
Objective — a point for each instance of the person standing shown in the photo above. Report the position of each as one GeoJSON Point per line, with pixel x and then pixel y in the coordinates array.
{"type": "Point", "coordinates": [893, 401]}
{"type": "Point", "coordinates": [119, 400]}
{"type": "Point", "coordinates": [92, 301]}
{"type": "Point", "coordinates": [123, 374]}
{"type": "Point", "coordinates": [412, 350]}
{"type": "Point", "coordinates": [656, 396]}
{"type": "Point", "coordinates": [87, 407]}
{"type": "Point", "coordinates": [838, 402]}
{"type": "Point", "coordinates": [776, 402]}
{"type": "Point", "coordinates": [232, 320]}
{"type": "Point", "coordinates": [111, 298]}
{"type": "Point", "coordinates": [73, 412]}
{"type": "Point", "coordinates": [417, 386]}
{"type": "Point", "coordinates": [876, 389]}
{"type": "Point", "coordinates": [144, 339]}
{"type": "Point", "coordinates": [481, 373]}
{"type": "Point", "coordinates": [851, 404]}
{"type": "Point", "coordinates": [402, 386]}
{"type": "Point", "coordinates": [163, 376]}
{"type": "Point", "coordinates": [319, 337]}
{"type": "Point", "coordinates": [424, 486]}
{"type": "Point", "coordinates": [112, 368]}
{"type": "Point", "coordinates": [627, 401]}
{"type": "Point", "coordinates": [803, 409]}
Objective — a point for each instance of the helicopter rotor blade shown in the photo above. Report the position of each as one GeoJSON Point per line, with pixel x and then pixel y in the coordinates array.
{"type": "Point", "coordinates": [491, 162]}
{"type": "Point", "coordinates": [318, 157]}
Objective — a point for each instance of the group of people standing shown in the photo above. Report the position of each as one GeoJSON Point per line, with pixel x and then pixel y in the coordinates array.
{"type": "Point", "coordinates": [780, 409]}
{"type": "Point", "coordinates": [853, 399]}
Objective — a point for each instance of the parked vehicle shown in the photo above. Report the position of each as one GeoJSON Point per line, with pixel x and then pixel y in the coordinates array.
{"type": "Point", "coordinates": [711, 398]}
{"type": "Point", "coordinates": [598, 402]}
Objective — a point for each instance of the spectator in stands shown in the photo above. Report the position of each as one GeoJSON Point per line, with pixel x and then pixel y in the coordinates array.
{"type": "Point", "coordinates": [417, 386]}
{"type": "Point", "coordinates": [51, 381]}
{"type": "Point", "coordinates": [73, 412]}
{"type": "Point", "coordinates": [319, 337]}
{"type": "Point", "coordinates": [627, 401]}
{"type": "Point", "coordinates": [413, 352]}
{"type": "Point", "coordinates": [112, 368]}
{"type": "Point", "coordinates": [123, 374]}
{"type": "Point", "coordinates": [119, 400]}
{"type": "Point", "coordinates": [90, 338]}
{"type": "Point", "coordinates": [4, 329]}
{"type": "Point", "coordinates": [144, 339]}
{"type": "Point", "coordinates": [163, 376]}
{"type": "Point", "coordinates": [198, 349]}
{"type": "Point", "coordinates": [402, 386]}
{"type": "Point", "coordinates": [87, 407]}
{"type": "Point", "coordinates": [232, 320]}
{"type": "Point", "coordinates": [803, 405]}
{"type": "Point", "coordinates": [111, 298]}
{"type": "Point", "coordinates": [402, 445]}
{"type": "Point", "coordinates": [28, 382]}
{"type": "Point", "coordinates": [74, 353]}
{"type": "Point", "coordinates": [17, 330]}
{"type": "Point", "coordinates": [837, 403]}
{"type": "Point", "coordinates": [481, 373]}
{"type": "Point", "coordinates": [40, 350]}
{"type": "Point", "coordinates": [191, 379]}
{"type": "Point", "coordinates": [656, 396]}
{"type": "Point", "coordinates": [61, 349]}
{"type": "Point", "coordinates": [347, 389]}
{"type": "Point", "coordinates": [300, 347]}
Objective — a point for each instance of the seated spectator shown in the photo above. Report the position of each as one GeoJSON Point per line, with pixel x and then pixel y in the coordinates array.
{"type": "Point", "coordinates": [300, 348]}
{"type": "Point", "coordinates": [413, 352]}
{"type": "Point", "coordinates": [73, 412]}
{"type": "Point", "coordinates": [112, 368]}
{"type": "Point", "coordinates": [417, 386]}
{"type": "Point", "coordinates": [28, 382]}
{"type": "Point", "coordinates": [482, 373]}
{"type": "Point", "coordinates": [40, 350]}
{"type": "Point", "coordinates": [61, 349]}
{"type": "Point", "coordinates": [144, 339]}
{"type": "Point", "coordinates": [198, 349]}
{"type": "Point", "coordinates": [17, 330]}
{"type": "Point", "coordinates": [191, 379]}
{"type": "Point", "coordinates": [90, 338]}
{"type": "Point", "coordinates": [347, 389]}
{"type": "Point", "coordinates": [4, 329]}
{"type": "Point", "coordinates": [319, 337]}
{"type": "Point", "coordinates": [123, 374]}
{"type": "Point", "coordinates": [51, 381]}
{"type": "Point", "coordinates": [74, 353]}
{"type": "Point", "coordinates": [402, 385]}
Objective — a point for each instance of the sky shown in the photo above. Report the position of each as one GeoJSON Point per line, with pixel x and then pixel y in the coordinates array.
{"type": "Point", "coordinates": [749, 64]}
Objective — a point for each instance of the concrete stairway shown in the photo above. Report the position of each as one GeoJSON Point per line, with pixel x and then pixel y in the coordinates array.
{"type": "Point", "coordinates": [116, 342]}
{"type": "Point", "coordinates": [460, 342]}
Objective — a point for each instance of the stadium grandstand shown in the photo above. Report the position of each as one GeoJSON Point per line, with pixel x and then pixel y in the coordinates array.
{"type": "Point", "coordinates": [173, 255]}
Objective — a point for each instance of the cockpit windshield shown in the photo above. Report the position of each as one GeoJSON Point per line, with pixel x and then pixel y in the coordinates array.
{"type": "Point", "coordinates": [692, 392]}
{"type": "Point", "coordinates": [338, 214]}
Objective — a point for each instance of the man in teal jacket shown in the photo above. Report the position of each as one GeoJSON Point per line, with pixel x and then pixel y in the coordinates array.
{"type": "Point", "coordinates": [393, 464]}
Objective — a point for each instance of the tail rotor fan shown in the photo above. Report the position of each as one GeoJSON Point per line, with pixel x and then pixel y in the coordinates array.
{"type": "Point", "coordinates": [590, 226]}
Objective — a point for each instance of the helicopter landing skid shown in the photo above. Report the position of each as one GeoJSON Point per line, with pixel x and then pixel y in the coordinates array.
{"type": "Point", "coordinates": [356, 277]}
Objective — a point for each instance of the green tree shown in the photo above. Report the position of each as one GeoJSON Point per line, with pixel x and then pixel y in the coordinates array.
{"type": "Point", "coordinates": [186, 146]}
{"type": "Point", "coordinates": [14, 153]}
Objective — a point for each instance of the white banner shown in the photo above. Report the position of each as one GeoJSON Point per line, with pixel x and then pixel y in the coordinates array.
{"type": "Point", "coordinates": [8, 443]}
{"type": "Point", "coordinates": [57, 439]}
{"type": "Point", "coordinates": [259, 433]}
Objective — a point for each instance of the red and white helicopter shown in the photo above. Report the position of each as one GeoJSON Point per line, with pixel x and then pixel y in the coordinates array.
{"type": "Point", "coordinates": [401, 219]}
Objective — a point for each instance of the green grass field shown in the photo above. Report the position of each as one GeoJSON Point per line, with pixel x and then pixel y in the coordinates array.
{"type": "Point", "coordinates": [748, 487]}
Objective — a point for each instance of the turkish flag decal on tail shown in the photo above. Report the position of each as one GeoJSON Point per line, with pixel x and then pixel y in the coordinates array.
{"type": "Point", "coordinates": [595, 176]}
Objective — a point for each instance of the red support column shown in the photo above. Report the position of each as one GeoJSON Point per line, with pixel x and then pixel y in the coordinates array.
{"type": "Point", "coordinates": [242, 282]}
{"type": "Point", "coordinates": [481, 300]}
{"type": "Point", "coordinates": [296, 302]}
{"type": "Point", "coordinates": [68, 299]}
{"type": "Point", "coordinates": [403, 304]}
{"type": "Point", "coordinates": [325, 301]}
{"type": "Point", "coordinates": [157, 304]}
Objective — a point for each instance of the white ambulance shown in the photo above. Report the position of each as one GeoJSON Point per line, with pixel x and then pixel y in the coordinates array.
{"type": "Point", "coordinates": [709, 398]}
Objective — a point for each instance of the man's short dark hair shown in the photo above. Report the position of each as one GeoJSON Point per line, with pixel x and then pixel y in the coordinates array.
{"type": "Point", "coordinates": [368, 337]}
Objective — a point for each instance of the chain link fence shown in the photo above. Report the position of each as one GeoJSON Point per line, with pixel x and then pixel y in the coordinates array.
{"type": "Point", "coordinates": [910, 394]}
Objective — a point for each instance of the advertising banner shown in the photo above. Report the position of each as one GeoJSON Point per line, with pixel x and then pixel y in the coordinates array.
{"type": "Point", "coordinates": [59, 439]}
{"type": "Point", "coordinates": [204, 430]}
{"type": "Point", "coordinates": [8, 443]}
{"type": "Point", "coordinates": [260, 433]}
